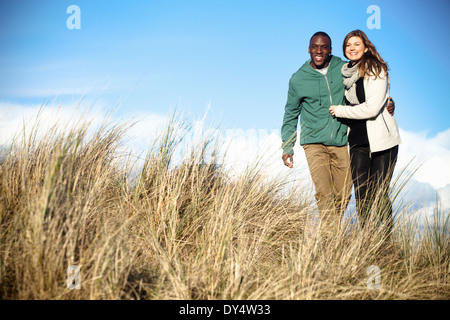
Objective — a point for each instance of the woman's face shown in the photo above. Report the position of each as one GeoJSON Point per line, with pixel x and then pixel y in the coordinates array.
{"type": "Point", "coordinates": [355, 48]}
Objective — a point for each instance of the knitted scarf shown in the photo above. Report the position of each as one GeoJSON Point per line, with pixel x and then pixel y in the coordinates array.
{"type": "Point", "coordinates": [350, 76]}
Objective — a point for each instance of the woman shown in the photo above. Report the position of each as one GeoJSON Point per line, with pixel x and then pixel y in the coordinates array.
{"type": "Point", "coordinates": [373, 132]}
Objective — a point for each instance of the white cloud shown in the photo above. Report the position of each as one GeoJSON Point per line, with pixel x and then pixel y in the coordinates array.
{"type": "Point", "coordinates": [145, 129]}
{"type": "Point", "coordinates": [261, 148]}
{"type": "Point", "coordinates": [17, 121]}
{"type": "Point", "coordinates": [430, 155]}
{"type": "Point", "coordinates": [245, 148]}
{"type": "Point", "coordinates": [444, 197]}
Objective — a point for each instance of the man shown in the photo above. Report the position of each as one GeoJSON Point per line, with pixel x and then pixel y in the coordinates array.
{"type": "Point", "coordinates": [312, 90]}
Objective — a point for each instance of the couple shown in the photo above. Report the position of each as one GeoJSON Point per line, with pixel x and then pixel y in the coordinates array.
{"type": "Point", "coordinates": [335, 97]}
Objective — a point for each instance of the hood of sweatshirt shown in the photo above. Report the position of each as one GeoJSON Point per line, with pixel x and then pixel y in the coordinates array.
{"type": "Point", "coordinates": [315, 93]}
{"type": "Point", "coordinates": [307, 76]}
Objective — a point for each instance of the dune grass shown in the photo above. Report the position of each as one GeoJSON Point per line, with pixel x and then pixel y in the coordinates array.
{"type": "Point", "coordinates": [187, 231]}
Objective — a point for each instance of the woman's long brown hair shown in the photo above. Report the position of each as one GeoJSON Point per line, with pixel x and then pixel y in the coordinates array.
{"type": "Point", "coordinates": [371, 63]}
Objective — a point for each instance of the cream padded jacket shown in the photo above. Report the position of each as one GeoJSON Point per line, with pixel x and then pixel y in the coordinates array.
{"type": "Point", "coordinates": [382, 129]}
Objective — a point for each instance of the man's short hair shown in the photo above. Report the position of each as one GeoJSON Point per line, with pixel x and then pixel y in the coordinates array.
{"type": "Point", "coordinates": [321, 33]}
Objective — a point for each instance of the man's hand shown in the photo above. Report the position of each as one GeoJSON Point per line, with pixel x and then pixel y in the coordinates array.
{"type": "Point", "coordinates": [391, 106]}
{"type": "Point", "coordinates": [288, 160]}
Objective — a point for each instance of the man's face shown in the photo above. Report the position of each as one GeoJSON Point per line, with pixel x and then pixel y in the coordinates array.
{"type": "Point", "coordinates": [319, 50]}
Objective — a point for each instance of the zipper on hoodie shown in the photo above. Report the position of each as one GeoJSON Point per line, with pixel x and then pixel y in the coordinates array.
{"type": "Point", "coordinates": [331, 101]}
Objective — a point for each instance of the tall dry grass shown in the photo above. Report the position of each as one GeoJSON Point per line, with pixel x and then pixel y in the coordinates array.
{"type": "Point", "coordinates": [187, 231]}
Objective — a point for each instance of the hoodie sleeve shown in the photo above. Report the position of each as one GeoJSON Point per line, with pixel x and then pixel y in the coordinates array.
{"type": "Point", "coordinates": [290, 120]}
{"type": "Point", "coordinates": [377, 92]}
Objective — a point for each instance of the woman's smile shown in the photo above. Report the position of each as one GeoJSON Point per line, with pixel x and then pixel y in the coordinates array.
{"type": "Point", "coordinates": [355, 49]}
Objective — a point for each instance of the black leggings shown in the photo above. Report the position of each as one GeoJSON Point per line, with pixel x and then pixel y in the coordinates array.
{"type": "Point", "coordinates": [372, 174]}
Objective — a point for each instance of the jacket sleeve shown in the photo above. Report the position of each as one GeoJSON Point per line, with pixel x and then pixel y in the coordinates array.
{"type": "Point", "coordinates": [377, 92]}
{"type": "Point", "coordinates": [290, 120]}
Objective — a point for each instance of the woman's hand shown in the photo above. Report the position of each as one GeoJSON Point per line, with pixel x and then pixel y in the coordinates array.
{"type": "Point", "coordinates": [332, 110]}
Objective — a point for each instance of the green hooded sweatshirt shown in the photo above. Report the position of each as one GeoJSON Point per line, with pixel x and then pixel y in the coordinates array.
{"type": "Point", "coordinates": [311, 94]}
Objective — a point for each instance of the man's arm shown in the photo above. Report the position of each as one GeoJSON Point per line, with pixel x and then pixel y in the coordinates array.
{"type": "Point", "coordinates": [290, 121]}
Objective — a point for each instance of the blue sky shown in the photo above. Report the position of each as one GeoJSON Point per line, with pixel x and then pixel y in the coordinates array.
{"type": "Point", "coordinates": [237, 56]}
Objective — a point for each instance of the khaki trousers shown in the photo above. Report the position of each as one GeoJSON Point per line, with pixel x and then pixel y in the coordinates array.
{"type": "Point", "coordinates": [330, 172]}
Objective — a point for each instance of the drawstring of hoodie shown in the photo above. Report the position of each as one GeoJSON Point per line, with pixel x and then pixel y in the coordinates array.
{"type": "Point", "coordinates": [320, 95]}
